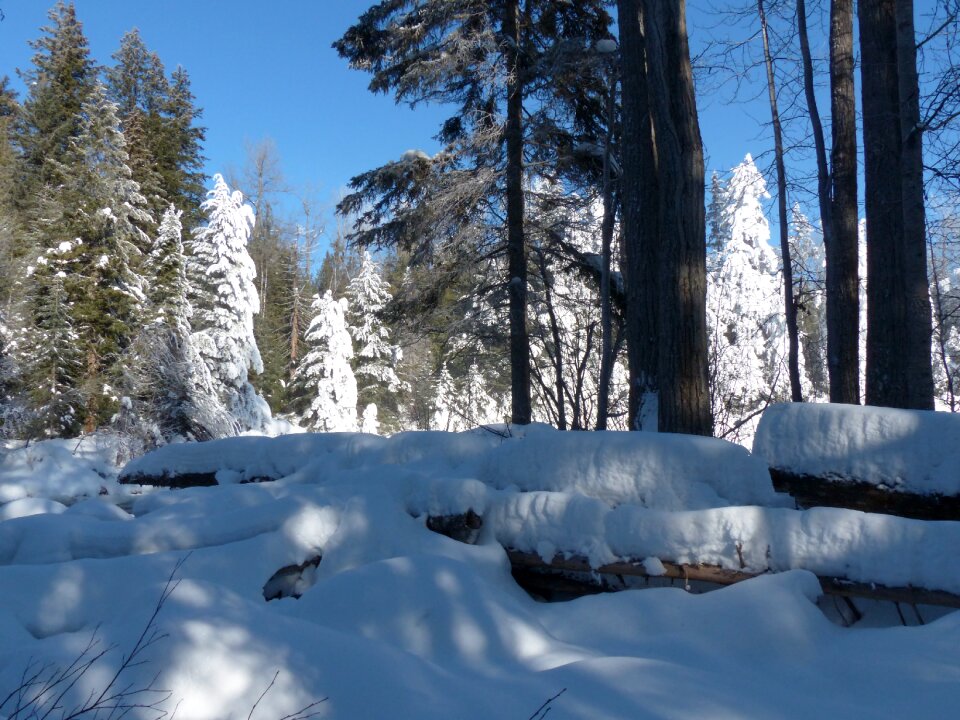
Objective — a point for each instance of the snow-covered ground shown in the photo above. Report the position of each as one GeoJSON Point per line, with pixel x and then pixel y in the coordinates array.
{"type": "Point", "coordinates": [397, 621]}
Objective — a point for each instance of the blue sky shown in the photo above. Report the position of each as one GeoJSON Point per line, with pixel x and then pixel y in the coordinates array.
{"type": "Point", "coordinates": [267, 70]}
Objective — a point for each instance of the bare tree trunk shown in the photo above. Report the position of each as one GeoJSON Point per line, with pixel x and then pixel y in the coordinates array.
{"type": "Point", "coordinates": [842, 272]}
{"type": "Point", "coordinates": [899, 372]}
{"type": "Point", "coordinates": [886, 319]}
{"type": "Point", "coordinates": [916, 283]}
{"type": "Point", "coordinates": [639, 197]}
{"type": "Point", "coordinates": [684, 402]}
{"type": "Point", "coordinates": [606, 232]}
{"type": "Point", "coordinates": [789, 304]}
{"type": "Point", "coordinates": [516, 245]}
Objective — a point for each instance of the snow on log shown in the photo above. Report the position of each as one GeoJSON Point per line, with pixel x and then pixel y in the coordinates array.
{"type": "Point", "coordinates": [898, 462]}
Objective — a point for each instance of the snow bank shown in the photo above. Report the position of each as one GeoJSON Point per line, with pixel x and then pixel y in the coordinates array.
{"type": "Point", "coordinates": [402, 622]}
{"type": "Point", "coordinates": [670, 472]}
{"type": "Point", "coordinates": [62, 470]}
{"type": "Point", "coordinates": [903, 450]}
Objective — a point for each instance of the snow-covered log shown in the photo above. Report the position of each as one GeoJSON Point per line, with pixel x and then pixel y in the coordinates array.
{"type": "Point", "coordinates": [898, 462]}
{"type": "Point", "coordinates": [651, 567]}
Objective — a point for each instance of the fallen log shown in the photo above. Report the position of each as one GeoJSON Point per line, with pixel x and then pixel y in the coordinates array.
{"type": "Point", "coordinates": [183, 480]}
{"type": "Point", "coordinates": [528, 561]}
{"type": "Point", "coordinates": [815, 491]}
{"type": "Point", "coordinates": [463, 527]}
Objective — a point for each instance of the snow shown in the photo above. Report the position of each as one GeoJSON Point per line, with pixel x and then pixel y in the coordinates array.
{"type": "Point", "coordinates": [904, 450]}
{"type": "Point", "coordinates": [397, 621]}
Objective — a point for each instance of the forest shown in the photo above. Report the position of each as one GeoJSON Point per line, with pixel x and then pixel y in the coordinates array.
{"type": "Point", "coordinates": [559, 418]}
{"type": "Point", "coordinates": [530, 270]}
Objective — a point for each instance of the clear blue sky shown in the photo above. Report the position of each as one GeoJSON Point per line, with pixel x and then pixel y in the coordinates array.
{"type": "Point", "coordinates": [267, 70]}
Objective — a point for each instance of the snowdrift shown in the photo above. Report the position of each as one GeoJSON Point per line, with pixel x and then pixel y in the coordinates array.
{"type": "Point", "coordinates": [394, 620]}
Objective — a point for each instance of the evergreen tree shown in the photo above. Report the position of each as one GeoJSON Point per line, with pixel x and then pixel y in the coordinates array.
{"type": "Point", "coordinates": [62, 76]}
{"type": "Point", "coordinates": [8, 215]}
{"type": "Point", "coordinates": [179, 155]}
{"type": "Point", "coordinates": [225, 299]}
{"type": "Point", "coordinates": [324, 381]}
{"type": "Point", "coordinates": [104, 208]}
{"type": "Point", "coordinates": [168, 276]}
{"type": "Point", "coordinates": [138, 86]}
{"type": "Point", "coordinates": [808, 258]}
{"type": "Point", "coordinates": [375, 357]}
{"type": "Point", "coordinates": [486, 58]}
{"type": "Point", "coordinates": [747, 342]}
{"type": "Point", "coordinates": [48, 349]}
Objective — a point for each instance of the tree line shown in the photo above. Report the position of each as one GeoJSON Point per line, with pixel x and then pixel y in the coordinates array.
{"type": "Point", "coordinates": [555, 261]}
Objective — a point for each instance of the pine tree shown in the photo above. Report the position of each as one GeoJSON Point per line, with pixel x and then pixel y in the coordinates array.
{"type": "Point", "coordinates": [487, 59]}
{"type": "Point", "coordinates": [104, 208]}
{"type": "Point", "coordinates": [375, 357]}
{"type": "Point", "coordinates": [62, 76]}
{"type": "Point", "coordinates": [138, 86]}
{"type": "Point", "coordinates": [747, 343]}
{"type": "Point", "coordinates": [180, 154]}
{"type": "Point", "coordinates": [324, 382]}
{"type": "Point", "coordinates": [48, 349]}
{"type": "Point", "coordinates": [224, 296]}
{"type": "Point", "coordinates": [808, 259]}
{"type": "Point", "coordinates": [9, 231]}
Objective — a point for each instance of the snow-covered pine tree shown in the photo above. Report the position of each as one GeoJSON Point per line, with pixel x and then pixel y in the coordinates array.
{"type": "Point", "coordinates": [173, 392]}
{"type": "Point", "coordinates": [747, 334]}
{"type": "Point", "coordinates": [168, 273]}
{"type": "Point", "coordinates": [224, 298]}
{"type": "Point", "coordinates": [48, 347]}
{"type": "Point", "coordinates": [375, 356]}
{"type": "Point", "coordinates": [103, 207]}
{"type": "Point", "coordinates": [324, 383]}
{"type": "Point", "coordinates": [808, 271]}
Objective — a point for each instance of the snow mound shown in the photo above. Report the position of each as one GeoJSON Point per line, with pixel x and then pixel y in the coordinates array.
{"type": "Point", "coordinates": [61, 470]}
{"type": "Point", "coordinates": [670, 472]}
{"type": "Point", "coordinates": [903, 450]}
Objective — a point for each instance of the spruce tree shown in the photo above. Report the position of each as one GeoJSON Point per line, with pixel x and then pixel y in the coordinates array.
{"type": "Point", "coordinates": [62, 76]}
{"type": "Point", "coordinates": [375, 356]}
{"type": "Point", "coordinates": [224, 296]}
{"type": "Point", "coordinates": [104, 208]}
{"type": "Point", "coordinates": [324, 383]}
{"type": "Point", "coordinates": [179, 155]}
{"type": "Point", "coordinates": [138, 85]}
{"type": "Point", "coordinates": [747, 334]}
{"type": "Point", "coordinates": [487, 59]}
{"type": "Point", "coordinates": [48, 348]}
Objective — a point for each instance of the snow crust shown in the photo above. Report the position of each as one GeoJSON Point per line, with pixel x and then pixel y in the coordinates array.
{"type": "Point", "coordinates": [904, 450]}
{"type": "Point", "coordinates": [397, 621]}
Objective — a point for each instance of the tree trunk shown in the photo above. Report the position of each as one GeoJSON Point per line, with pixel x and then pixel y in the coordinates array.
{"type": "Point", "coordinates": [516, 245]}
{"type": "Point", "coordinates": [639, 193]}
{"type": "Point", "coordinates": [684, 402]}
{"type": "Point", "coordinates": [789, 305]}
{"type": "Point", "coordinates": [886, 317]}
{"type": "Point", "coordinates": [841, 242]}
{"type": "Point", "coordinates": [606, 232]}
{"type": "Point", "coordinates": [916, 283]}
{"type": "Point", "coordinates": [899, 372]}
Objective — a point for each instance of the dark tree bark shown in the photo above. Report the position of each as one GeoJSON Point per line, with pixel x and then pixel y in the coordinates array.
{"type": "Point", "coordinates": [917, 286]}
{"type": "Point", "coordinates": [639, 197]}
{"type": "Point", "coordinates": [789, 304]}
{"type": "Point", "coordinates": [606, 233]}
{"type": "Point", "coordinates": [516, 243]}
{"type": "Point", "coordinates": [841, 242]}
{"type": "Point", "coordinates": [684, 401]}
{"type": "Point", "coordinates": [898, 334]}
